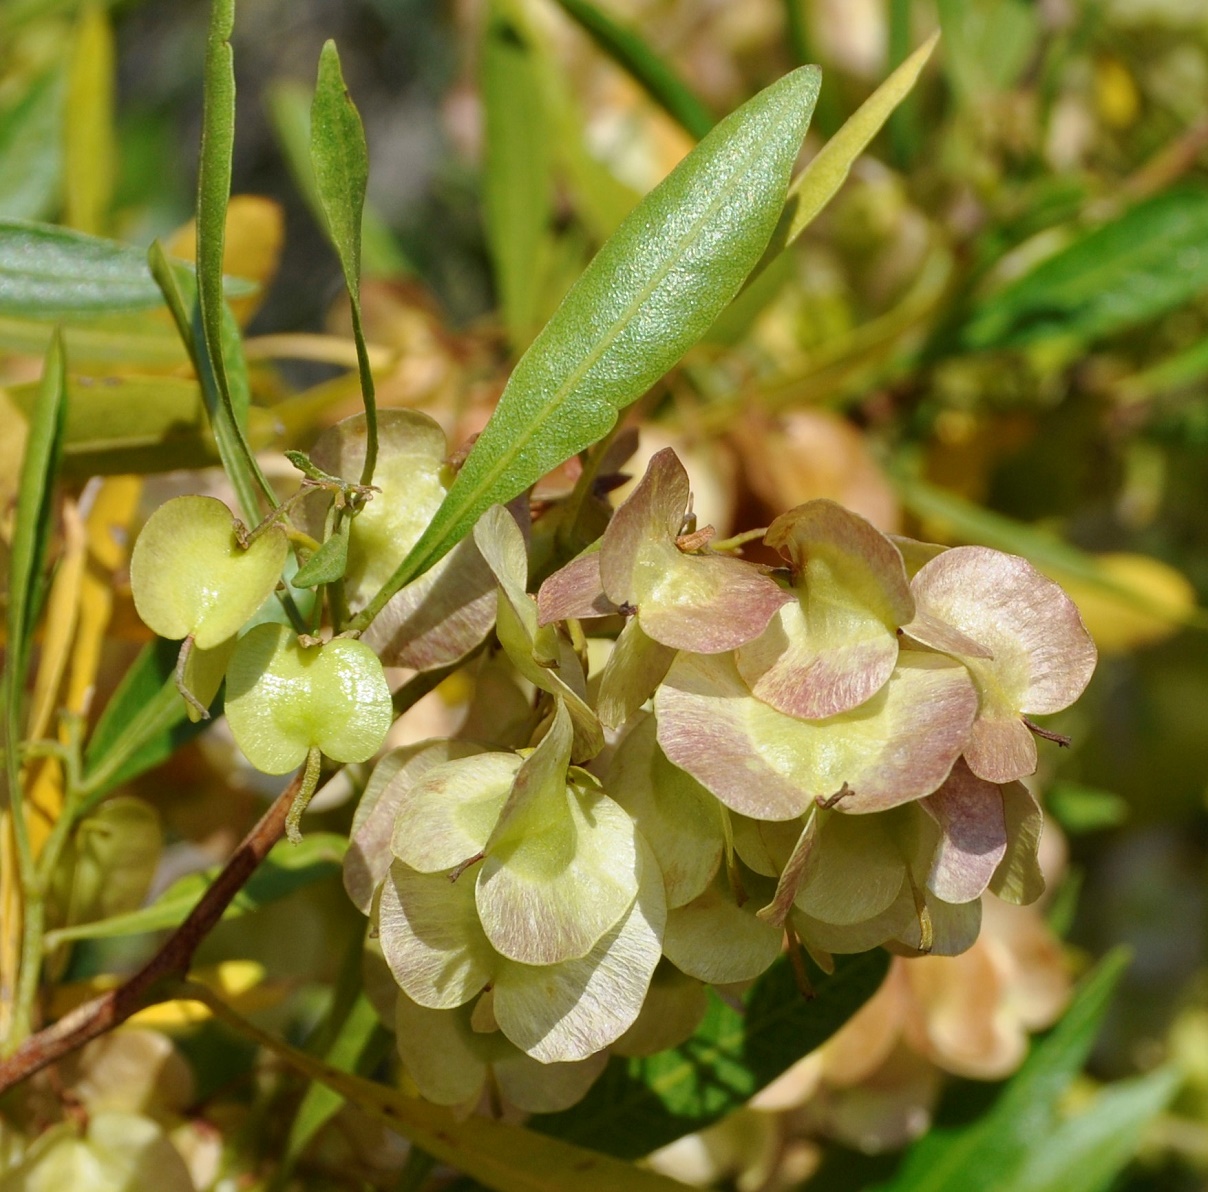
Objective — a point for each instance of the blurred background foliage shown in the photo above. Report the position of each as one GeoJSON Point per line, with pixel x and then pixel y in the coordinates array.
{"type": "Point", "coordinates": [997, 332]}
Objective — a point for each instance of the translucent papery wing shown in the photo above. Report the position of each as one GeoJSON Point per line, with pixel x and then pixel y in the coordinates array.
{"type": "Point", "coordinates": [973, 835]}
{"type": "Point", "coordinates": [1018, 878]}
{"type": "Point", "coordinates": [707, 603]}
{"type": "Point", "coordinates": [680, 820]}
{"type": "Point", "coordinates": [715, 940]}
{"type": "Point", "coordinates": [502, 545]}
{"type": "Point", "coordinates": [431, 937]}
{"type": "Point", "coordinates": [856, 868]}
{"type": "Point", "coordinates": [569, 1011]}
{"type": "Point", "coordinates": [1042, 654]}
{"type": "Point", "coordinates": [896, 747]}
{"type": "Point", "coordinates": [835, 645]}
{"type": "Point", "coordinates": [369, 855]}
{"type": "Point", "coordinates": [446, 815]}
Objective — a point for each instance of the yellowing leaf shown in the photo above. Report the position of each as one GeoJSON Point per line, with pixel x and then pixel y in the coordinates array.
{"type": "Point", "coordinates": [255, 234]}
{"type": "Point", "coordinates": [90, 150]}
{"type": "Point", "coordinates": [1164, 600]}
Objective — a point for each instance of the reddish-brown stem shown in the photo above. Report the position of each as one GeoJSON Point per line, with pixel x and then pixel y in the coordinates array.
{"type": "Point", "coordinates": [1047, 734]}
{"type": "Point", "coordinates": [169, 964]}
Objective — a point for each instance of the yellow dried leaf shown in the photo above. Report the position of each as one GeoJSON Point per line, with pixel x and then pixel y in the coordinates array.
{"type": "Point", "coordinates": [1164, 600]}
{"type": "Point", "coordinates": [255, 233]}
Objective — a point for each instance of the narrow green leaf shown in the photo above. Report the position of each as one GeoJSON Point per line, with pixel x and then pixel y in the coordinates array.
{"type": "Point", "coordinates": [1148, 262]}
{"type": "Point", "coordinates": [287, 868]}
{"type": "Point", "coordinates": [214, 183]}
{"type": "Point", "coordinates": [289, 114]}
{"type": "Point", "coordinates": [516, 181]}
{"type": "Point", "coordinates": [639, 1105]}
{"type": "Point", "coordinates": [1086, 1153]}
{"type": "Point", "coordinates": [135, 339]}
{"type": "Point", "coordinates": [90, 153]}
{"type": "Point", "coordinates": [27, 556]}
{"type": "Point", "coordinates": [31, 150]}
{"type": "Point", "coordinates": [328, 563]}
{"type": "Point", "coordinates": [340, 159]}
{"type": "Point", "coordinates": [228, 409]}
{"type": "Point", "coordinates": [983, 1155]}
{"type": "Point", "coordinates": [216, 333]}
{"type": "Point", "coordinates": [507, 1158]}
{"type": "Point", "coordinates": [321, 1103]}
{"type": "Point", "coordinates": [48, 273]}
{"type": "Point", "coordinates": [650, 293]}
{"type": "Point", "coordinates": [819, 182]}
{"type": "Point", "coordinates": [142, 725]}
{"type": "Point", "coordinates": [625, 47]}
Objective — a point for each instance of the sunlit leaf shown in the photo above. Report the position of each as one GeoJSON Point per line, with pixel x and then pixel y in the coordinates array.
{"type": "Point", "coordinates": [648, 295]}
{"type": "Point", "coordinates": [143, 723]}
{"type": "Point", "coordinates": [30, 540]}
{"type": "Point", "coordinates": [289, 112]}
{"type": "Point", "coordinates": [819, 182]}
{"type": "Point", "coordinates": [340, 159]}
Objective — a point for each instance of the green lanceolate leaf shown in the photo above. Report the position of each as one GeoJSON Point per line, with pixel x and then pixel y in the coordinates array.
{"type": "Point", "coordinates": [213, 335]}
{"type": "Point", "coordinates": [1086, 1153]}
{"type": "Point", "coordinates": [287, 868]}
{"type": "Point", "coordinates": [1149, 261]}
{"type": "Point", "coordinates": [31, 535]}
{"type": "Point", "coordinates": [819, 182]}
{"type": "Point", "coordinates": [138, 423]}
{"type": "Point", "coordinates": [649, 294]}
{"type": "Point", "coordinates": [214, 182]}
{"type": "Point", "coordinates": [639, 1105]}
{"type": "Point", "coordinates": [985, 1155]}
{"type": "Point", "coordinates": [625, 47]}
{"type": "Point", "coordinates": [516, 182]}
{"type": "Point", "coordinates": [48, 272]}
{"type": "Point", "coordinates": [228, 410]}
{"type": "Point", "coordinates": [320, 1104]}
{"type": "Point", "coordinates": [289, 112]}
{"type": "Point", "coordinates": [340, 159]}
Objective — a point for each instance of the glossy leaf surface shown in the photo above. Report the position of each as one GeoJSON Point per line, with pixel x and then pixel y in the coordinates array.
{"type": "Point", "coordinates": [651, 292]}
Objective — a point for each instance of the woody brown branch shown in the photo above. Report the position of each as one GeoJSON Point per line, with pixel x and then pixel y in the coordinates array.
{"type": "Point", "coordinates": [169, 964]}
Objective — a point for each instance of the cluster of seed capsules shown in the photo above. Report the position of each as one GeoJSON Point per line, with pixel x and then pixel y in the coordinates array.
{"type": "Point", "coordinates": [827, 752]}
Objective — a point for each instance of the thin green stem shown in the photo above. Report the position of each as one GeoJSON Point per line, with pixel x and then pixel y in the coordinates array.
{"type": "Point", "coordinates": [368, 389]}
{"type": "Point", "coordinates": [310, 780]}
{"type": "Point", "coordinates": [734, 542]}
